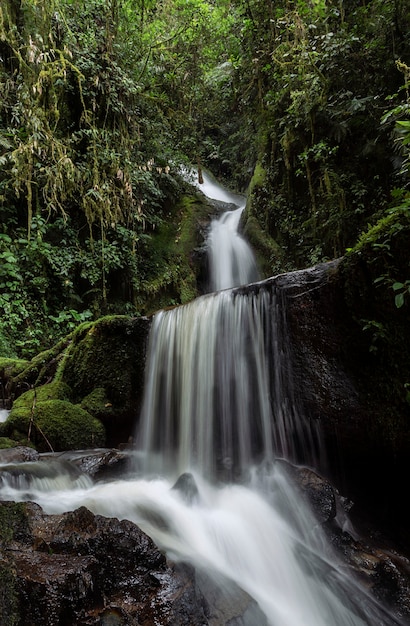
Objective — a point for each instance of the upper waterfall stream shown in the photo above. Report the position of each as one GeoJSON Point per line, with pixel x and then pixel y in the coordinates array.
{"type": "Point", "coordinates": [231, 260]}
{"type": "Point", "coordinates": [219, 409]}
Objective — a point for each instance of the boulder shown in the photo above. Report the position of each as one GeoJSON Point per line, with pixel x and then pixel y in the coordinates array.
{"type": "Point", "coordinates": [78, 568]}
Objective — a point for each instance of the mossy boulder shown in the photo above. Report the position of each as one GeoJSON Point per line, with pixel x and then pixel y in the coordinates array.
{"type": "Point", "coordinates": [255, 227]}
{"type": "Point", "coordinates": [5, 442]}
{"type": "Point", "coordinates": [99, 368]}
{"type": "Point", "coordinates": [54, 424]}
{"type": "Point", "coordinates": [104, 368]}
{"type": "Point", "coordinates": [56, 390]}
{"type": "Point", "coordinates": [174, 266]}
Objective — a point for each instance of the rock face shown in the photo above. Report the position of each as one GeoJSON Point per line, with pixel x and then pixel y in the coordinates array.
{"type": "Point", "coordinates": [80, 569]}
{"type": "Point", "coordinates": [351, 389]}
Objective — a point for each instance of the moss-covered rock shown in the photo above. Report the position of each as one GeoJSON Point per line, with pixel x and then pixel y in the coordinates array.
{"type": "Point", "coordinates": [5, 442]}
{"type": "Point", "coordinates": [11, 367]}
{"type": "Point", "coordinates": [104, 368]}
{"type": "Point", "coordinates": [56, 390]}
{"type": "Point", "coordinates": [54, 424]}
{"type": "Point", "coordinates": [39, 370]}
{"type": "Point", "coordinates": [99, 366]}
{"type": "Point", "coordinates": [97, 403]}
{"type": "Point", "coordinates": [268, 252]}
{"type": "Point", "coordinates": [174, 263]}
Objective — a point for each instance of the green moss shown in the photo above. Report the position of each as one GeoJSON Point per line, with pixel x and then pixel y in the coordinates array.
{"type": "Point", "coordinates": [5, 442]}
{"type": "Point", "coordinates": [99, 357]}
{"type": "Point", "coordinates": [258, 178]}
{"type": "Point", "coordinates": [96, 403]}
{"type": "Point", "coordinates": [55, 390]}
{"type": "Point", "coordinates": [57, 424]}
{"type": "Point", "coordinates": [42, 367]}
{"type": "Point", "coordinates": [12, 367]}
{"type": "Point", "coordinates": [268, 253]}
{"type": "Point", "coordinates": [173, 262]}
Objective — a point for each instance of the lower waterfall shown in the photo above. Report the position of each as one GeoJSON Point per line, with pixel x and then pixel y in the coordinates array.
{"type": "Point", "coordinates": [207, 485]}
{"type": "Point", "coordinates": [218, 389]}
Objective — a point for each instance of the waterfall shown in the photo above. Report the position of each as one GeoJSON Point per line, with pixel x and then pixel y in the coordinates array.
{"type": "Point", "coordinates": [220, 409]}
{"type": "Point", "coordinates": [218, 390]}
{"type": "Point", "coordinates": [231, 260]}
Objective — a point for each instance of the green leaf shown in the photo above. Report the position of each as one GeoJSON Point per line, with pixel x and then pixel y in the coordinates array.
{"type": "Point", "coordinates": [397, 286]}
{"type": "Point", "coordinates": [399, 300]}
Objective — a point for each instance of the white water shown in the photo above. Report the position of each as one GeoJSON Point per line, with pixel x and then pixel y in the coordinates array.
{"type": "Point", "coordinates": [4, 413]}
{"type": "Point", "coordinates": [219, 402]}
{"type": "Point", "coordinates": [231, 260]}
{"type": "Point", "coordinates": [218, 392]}
{"type": "Point", "coordinates": [258, 535]}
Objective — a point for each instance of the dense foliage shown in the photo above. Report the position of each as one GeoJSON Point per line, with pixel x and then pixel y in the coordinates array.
{"type": "Point", "coordinates": [102, 100]}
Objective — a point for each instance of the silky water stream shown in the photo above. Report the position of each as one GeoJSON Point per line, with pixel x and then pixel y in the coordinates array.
{"type": "Point", "coordinates": [219, 410]}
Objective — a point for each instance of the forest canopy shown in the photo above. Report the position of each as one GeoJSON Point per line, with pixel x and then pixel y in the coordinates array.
{"type": "Point", "coordinates": [102, 101]}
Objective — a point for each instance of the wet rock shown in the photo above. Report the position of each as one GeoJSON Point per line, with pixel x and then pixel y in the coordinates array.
{"type": "Point", "coordinates": [102, 463]}
{"type": "Point", "coordinates": [18, 454]}
{"type": "Point", "coordinates": [318, 491]}
{"type": "Point", "coordinates": [228, 604]}
{"type": "Point", "coordinates": [384, 572]}
{"type": "Point", "coordinates": [187, 487]}
{"type": "Point", "coordinates": [349, 389]}
{"type": "Point", "coordinates": [82, 569]}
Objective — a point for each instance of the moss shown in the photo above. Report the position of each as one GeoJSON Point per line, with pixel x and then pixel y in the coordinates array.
{"type": "Point", "coordinates": [100, 366]}
{"type": "Point", "coordinates": [105, 361]}
{"type": "Point", "coordinates": [96, 403]}
{"type": "Point", "coordinates": [269, 253]}
{"type": "Point", "coordinates": [5, 442]}
{"type": "Point", "coordinates": [42, 367]}
{"type": "Point", "coordinates": [55, 390]}
{"type": "Point", "coordinates": [258, 178]}
{"type": "Point", "coordinates": [12, 367]}
{"type": "Point", "coordinates": [99, 357]}
{"type": "Point", "coordinates": [57, 424]}
{"type": "Point", "coordinates": [174, 258]}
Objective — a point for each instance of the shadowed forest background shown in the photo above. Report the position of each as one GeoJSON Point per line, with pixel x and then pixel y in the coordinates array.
{"type": "Point", "coordinates": [303, 104]}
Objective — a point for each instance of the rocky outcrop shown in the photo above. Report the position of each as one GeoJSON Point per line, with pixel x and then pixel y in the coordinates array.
{"type": "Point", "coordinates": [382, 570]}
{"type": "Point", "coordinates": [350, 390]}
{"type": "Point", "coordinates": [83, 569]}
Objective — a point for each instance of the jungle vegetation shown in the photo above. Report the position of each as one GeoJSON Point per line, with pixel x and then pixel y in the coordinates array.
{"type": "Point", "coordinates": [102, 101]}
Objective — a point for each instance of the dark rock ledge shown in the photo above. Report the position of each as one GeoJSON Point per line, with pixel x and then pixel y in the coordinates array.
{"type": "Point", "coordinates": [84, 569]}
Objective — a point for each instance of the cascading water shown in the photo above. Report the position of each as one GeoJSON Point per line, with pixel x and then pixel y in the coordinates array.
{"type": "Point", "coordinates": [218, 392]}
{"type": "Point", "coordinates": [219, 404]}
{"type": "Point", "coordinates": [231, 260]}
